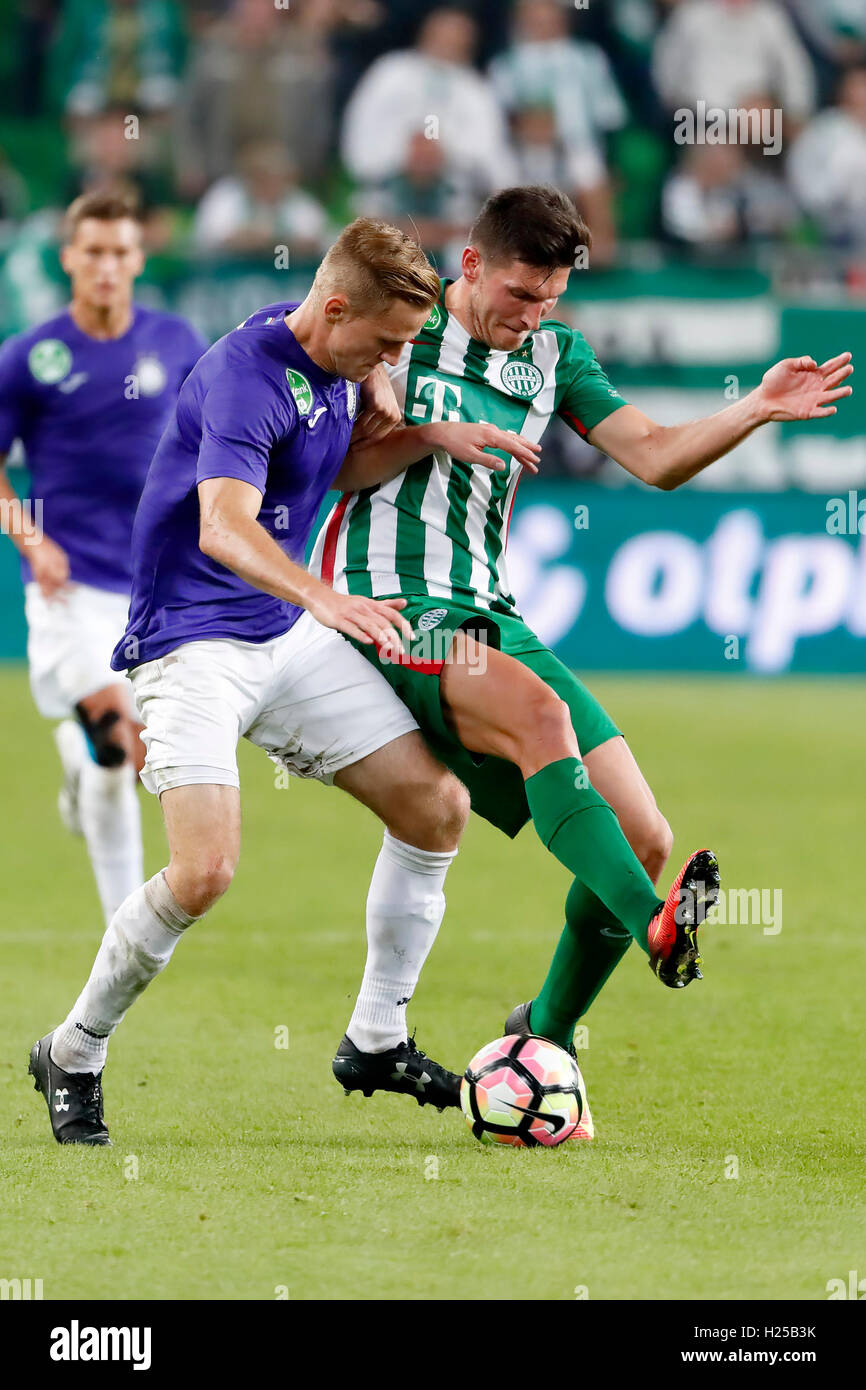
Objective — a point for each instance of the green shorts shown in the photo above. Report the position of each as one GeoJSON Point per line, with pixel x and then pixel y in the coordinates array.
{"type": "Point", "coordinates": [495, 786]}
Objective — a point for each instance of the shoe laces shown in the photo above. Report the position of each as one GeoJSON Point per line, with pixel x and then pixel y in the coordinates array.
{"type": "Point", "coordinates": [415, 1050]}
{"type": "Point", "coordinates": [91, 1100]}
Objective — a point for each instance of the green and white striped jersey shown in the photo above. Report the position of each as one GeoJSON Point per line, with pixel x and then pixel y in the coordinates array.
{"type": "Point", "coordinates": [440, 527]}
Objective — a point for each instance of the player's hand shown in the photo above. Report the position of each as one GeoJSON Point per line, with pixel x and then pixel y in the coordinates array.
{"type": "Point", "coordinates": [380, 413]}
{"type": "Point", "coordinates": [468, 442]}
{"type": "Point", "coordinates": [368, 620]}
{"type": "Point", "coordinates": [798, 389]}
{"type": "Point", "coordinates": [50, 566]}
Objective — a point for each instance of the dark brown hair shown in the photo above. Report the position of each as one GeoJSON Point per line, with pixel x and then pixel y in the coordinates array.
{"type": "Point", "coordinates": [535, 224]}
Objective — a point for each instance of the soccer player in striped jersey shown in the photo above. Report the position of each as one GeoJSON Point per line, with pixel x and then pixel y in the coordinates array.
{"type": "Point", "coordinates": [520, 730]}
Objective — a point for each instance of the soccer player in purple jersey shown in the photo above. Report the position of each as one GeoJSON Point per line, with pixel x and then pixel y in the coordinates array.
{"type": "Point", "coordinates": [88, 394]}
{"type": "Point", "coordinates": [229, 635]}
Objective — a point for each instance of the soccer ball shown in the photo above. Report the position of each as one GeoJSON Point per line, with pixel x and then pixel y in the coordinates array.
{"type": "Point", "coordinates": [525, 1091]}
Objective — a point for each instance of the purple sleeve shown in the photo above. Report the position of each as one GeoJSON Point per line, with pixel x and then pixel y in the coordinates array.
{"type": "Point", "coordinates": [12, 389]}
{"type": "Point", "coordinates": [242, 418]}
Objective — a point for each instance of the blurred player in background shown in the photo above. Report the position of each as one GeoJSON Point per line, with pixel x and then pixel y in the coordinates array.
{"type": "Point", "coordinates": [88, 394]}
{"type": "Point", "coordinates": [518, 728]}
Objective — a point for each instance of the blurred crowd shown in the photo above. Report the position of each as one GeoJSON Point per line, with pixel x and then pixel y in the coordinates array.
{"type": "Point", "coordinates": [249, 124]}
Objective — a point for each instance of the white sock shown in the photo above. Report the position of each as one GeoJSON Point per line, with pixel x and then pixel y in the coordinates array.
{"type": "Point", "coordinates": [111, 823]}
{"type": "Point", "coordinates": [405, 907]}
{"type": "Point", "coordinates": [71, 745]}
{"type": "Point", "coordinates": [136, 946]}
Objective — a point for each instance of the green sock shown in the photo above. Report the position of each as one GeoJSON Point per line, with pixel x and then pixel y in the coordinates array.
{"type": "Point", "coordinates": [585, 958]}
{"type": "Point", "coordinates": [582, 831]}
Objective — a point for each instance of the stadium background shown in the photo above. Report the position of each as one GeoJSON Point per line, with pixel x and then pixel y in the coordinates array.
{"type": "Point", "coordinates": [707, 265]}
{"type": "Point", "coordinates": [728, 1162]}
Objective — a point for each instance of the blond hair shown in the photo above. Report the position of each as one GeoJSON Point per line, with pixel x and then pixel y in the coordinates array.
{"type": "Point", "coordinates": [372, 264]}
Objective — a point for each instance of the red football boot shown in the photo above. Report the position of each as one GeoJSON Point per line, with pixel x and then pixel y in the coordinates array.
{"type": "Point", "coordinates": [672, 935]}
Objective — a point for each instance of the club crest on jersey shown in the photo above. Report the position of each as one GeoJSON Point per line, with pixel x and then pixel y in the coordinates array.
{"type": "Point", "coordinates": [351, 399]}
{"type": "Point", "coordinates": [522, 379]}
{"type": "Point", "coordinates": [301, 390]}
{"type": "Point", "coordinates": [432, 618]}
{"type": "Point", "coordinates": [150, 374]}
{"type": "Point", "coordinates": [49, 361]}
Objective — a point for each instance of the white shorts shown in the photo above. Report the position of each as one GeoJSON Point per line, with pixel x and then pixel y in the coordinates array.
{"type": "Point", "coordinates": [308, 698]}
{"type": "Point", "coordinates": [70, 638]}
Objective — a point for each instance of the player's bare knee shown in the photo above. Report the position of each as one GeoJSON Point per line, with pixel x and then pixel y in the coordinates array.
{"type": "Point", "coordinates": [106, 733]}
{"type": "Point", "coordinates": [433, 812]}
{"type": "Point", "coordinates": [198, 884]}
{"type": "Point", "coordinates": [454, 808]}
{"type": "Point", "coordinates": [545, 727]}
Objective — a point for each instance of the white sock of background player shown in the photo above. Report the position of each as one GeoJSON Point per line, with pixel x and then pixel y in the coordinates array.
{"type": "Point", "coordinates": [110, 819]}
{"type": "Point", "coordinates": [136, 946]}
{"type": "Point", "coordinates": [405, 907]}
{"type": "Point", "coordinates": [72, 747]}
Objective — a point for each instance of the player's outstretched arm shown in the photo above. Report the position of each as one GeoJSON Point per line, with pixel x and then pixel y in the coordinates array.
{"type": "Point", "coordinates": [369, 463]}
{"type": "Point", "coordinates": [667, 455]}
{"type": "Point", "coordinates": [230, 533]}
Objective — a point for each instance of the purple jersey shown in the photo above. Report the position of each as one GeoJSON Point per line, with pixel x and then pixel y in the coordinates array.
{"type": "Point", "coordinates": [89, 413]}
{"type": "Point", "coordinates": [255, 407]}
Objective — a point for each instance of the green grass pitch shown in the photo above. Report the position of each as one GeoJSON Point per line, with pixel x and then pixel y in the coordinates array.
{"type": "Point", "coordinates": [240, 1171]}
